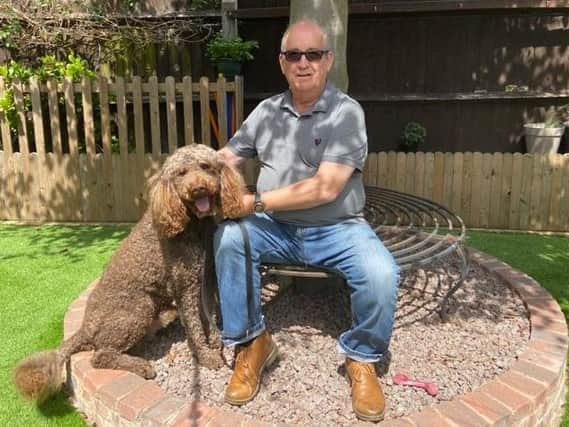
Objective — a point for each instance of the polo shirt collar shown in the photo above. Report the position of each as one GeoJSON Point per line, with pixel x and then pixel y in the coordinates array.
{"type": "Point", "coordinates": [321, 106]}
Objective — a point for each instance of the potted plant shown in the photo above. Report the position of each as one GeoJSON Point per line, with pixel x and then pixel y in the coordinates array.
{"type": "Point", "coordinates": [545, 137]}
{"type": "Point", "coordinates": [413, 135]}
{"type": "Point", "coordinates": [228, 53]}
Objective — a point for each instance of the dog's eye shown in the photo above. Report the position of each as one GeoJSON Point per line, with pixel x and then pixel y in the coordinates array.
{"type": "Point", "coordinates": [182, 172]}
{"type": "Point", "coordinates": [205, 166]}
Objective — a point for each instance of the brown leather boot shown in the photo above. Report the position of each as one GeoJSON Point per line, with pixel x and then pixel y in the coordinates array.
{"type": "Point", "coordinates": [368, 401]}
{"type": "Point", "coordinates": [251, 358]}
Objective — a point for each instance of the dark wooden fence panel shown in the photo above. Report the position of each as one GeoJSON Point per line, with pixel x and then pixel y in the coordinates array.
{"type": "Point", "coordinates": [446, 70]}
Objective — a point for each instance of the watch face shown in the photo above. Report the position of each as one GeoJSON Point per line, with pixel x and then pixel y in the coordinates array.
{"type": "Point", "coordinates": [259, 207]}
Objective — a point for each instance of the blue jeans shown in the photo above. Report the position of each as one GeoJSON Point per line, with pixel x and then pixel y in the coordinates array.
{"type": "Point", "coordinates": [350, 249]}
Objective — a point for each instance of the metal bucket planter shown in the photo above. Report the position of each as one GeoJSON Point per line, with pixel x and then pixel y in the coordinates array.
{"type": "Point", "coordinates": [541, 139]}
{"type": "Point", "coordinates": [228, 68]}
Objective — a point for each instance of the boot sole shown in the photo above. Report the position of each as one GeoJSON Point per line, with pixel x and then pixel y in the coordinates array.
{"type": "Point", "coordinates": [268, 361]}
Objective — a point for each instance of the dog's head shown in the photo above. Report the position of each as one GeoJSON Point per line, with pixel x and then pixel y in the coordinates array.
{"type": "Point", "coordinates": [192, 184]}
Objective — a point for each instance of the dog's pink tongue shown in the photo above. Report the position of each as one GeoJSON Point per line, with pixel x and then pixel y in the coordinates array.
{"type": "Point", "coordinates": [203, 204]}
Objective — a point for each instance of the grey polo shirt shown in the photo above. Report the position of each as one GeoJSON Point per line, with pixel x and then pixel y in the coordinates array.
{"type": "Point", "coordinates": [290, 147]}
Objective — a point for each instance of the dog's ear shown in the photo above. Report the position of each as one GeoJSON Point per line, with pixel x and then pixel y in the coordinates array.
{"type": "Point", "coordinates": [169, 214]}
{"type": "Point", "coordinates": [232, 191]}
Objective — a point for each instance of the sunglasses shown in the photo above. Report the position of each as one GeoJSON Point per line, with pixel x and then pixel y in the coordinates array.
{"type": "Point", "coordinates": [311, 55]}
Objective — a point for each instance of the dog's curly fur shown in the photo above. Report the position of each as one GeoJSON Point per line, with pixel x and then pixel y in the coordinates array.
{"type": "Point", "coordinates": [161, 263]}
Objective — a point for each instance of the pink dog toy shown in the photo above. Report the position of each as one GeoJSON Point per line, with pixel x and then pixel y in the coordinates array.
{"type": "Point", "coordinates": [402, 379]}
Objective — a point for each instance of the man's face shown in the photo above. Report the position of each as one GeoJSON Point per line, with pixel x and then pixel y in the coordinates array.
{"type": "Point", "coordinates": [304, 76]}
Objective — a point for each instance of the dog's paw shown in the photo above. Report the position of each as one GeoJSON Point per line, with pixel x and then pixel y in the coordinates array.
{"type": "Point", "coordinates": [147, 372]}
{"type": "Point", "coordinates": [212, 361]}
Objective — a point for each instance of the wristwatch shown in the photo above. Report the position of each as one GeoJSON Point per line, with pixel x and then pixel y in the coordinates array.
{"type": "Point", "coordinates": [258, 206]}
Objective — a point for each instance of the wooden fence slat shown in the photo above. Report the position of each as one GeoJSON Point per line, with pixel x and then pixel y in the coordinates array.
{"type": "Point", "coordinates": [71, 114]}
{"type": "Point", "coordinates": [495, 190]}
{"type": "Point", "coordinates": [547, 166]}
{"type": "Point", "coordinates": [400, 171]}
{"type": "Point", "coordinates": [371, 169]}
{"type": "Point", "coordinates": [506, 190]}
{"type": "Point", "coordinates": [204, 111]}
{"type": "Point", "coordinates": [171, 114]}
{"type": "Point", "coordinates": [23, 143]}
{"type": "Point", "coordinates": [139, 141]}
{"type": "Point", "coordinates": [420, 174]}
{"type": "Point", "coordinates": [37, 117]}
{"type": "Point", "coordinates": [466, 199]}
{"type": "Point", "coordinates": [456, 188]}
{"type": "Point", "coordinates": [438, 177]}
{"type": "Point", "coordinates": [89, 192]}
{"type": "Point", "coordinates": [188, 111]}
{"type": "Point", "coordinates": [26, 185]}
{"type": "Point", "coordinates": [409, 172]}
{"type": "Point", "coordinates": [448, 176]}
{"type": "Point", "coordinates": [222, 111]}
{"type": "Point", "coordinates": [392, 170]}
{"type": "Point", "coordinates": [516, 189]}
{"type": "Point", "coordinates": [54, 119]}
{"type": "Point", "coordinates": [429, 172]}
{"type": "Point", "coordinates": [536, 192]}
{"type": "Point", "coordinates": [476, 190]}
{"type": "Point", "coordinates": [486, 183]}
{"type": "Point", "coordinates": [382, 169]}
{"type": "Point", "coordinates": [554, 219]}
{"type": "Point", "coordinates": [525, 191]}
{"type": "Point", "coordinates": [154, 115]}
{"type": "Point", "coordinates": [108, 201]}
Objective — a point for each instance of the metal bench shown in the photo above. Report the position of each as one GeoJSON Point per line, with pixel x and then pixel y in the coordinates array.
{"type": "Point", "coordinates": [417, 231]}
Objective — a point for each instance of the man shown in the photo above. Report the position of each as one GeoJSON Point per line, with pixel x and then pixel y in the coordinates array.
{"type": "Point", "coordinates": [311, 142]}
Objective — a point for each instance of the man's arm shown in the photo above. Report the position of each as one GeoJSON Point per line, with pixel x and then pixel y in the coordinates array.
{"type": "Point", "coordinates": [323, 187]}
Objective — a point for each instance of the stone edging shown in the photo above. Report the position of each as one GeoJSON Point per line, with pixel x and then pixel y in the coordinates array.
{"type": "Point", "coordinates": [530, 393]}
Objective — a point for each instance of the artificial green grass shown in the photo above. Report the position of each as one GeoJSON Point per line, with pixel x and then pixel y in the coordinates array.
{"type": "Point", "coordinates": [545, 258]}
{"type": "Point", "coordinates": [42, 270]}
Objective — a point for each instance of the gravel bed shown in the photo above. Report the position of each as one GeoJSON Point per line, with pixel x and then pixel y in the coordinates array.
{"type": "Point", "coordinates": [487, 330]}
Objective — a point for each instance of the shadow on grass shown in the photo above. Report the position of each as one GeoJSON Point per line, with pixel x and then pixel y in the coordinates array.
{"type": "Point", "coordinates": [57, 240]}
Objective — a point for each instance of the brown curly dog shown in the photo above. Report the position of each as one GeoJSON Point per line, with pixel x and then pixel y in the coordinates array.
{"type": "Point", "coordinates": [163, 261]}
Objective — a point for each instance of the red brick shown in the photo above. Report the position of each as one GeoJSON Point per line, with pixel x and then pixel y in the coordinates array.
{"type": "Point", "coordinates": [139, 400]}
{"type": "Point", "coordinates": [398, 422]}
{"type": "Point", "coordinates": [525, 385]}
{"type": "Point", "coordinates": [164, 411]}
{"type": "Point", "coordinates": [490, 409]}
{"type": "Point", "coordinates": [430, 418]}
{"type": "Point", "coordinates": [81, 365]}
{"type": "Point", "coordinates": [516, 402]}
{"type": "Point", "coordinates": [111, 393]}
{"type": "Point", "coordinates": [543, 360]}
{"type": "Point", "coordinates": [194, 414]}
{"type": "Point", "coordinates": [461, 414]}
{"type": "Point", "coordinates": [548, 334]}
{"type": "Point", "coordinates": [97, 378]}
{"type": "Point", "coordinates": [225, 419]}
{"type": "Point", "coordinates": [541, 375]}
{"type": "Point", "coordinates": [558, 350]}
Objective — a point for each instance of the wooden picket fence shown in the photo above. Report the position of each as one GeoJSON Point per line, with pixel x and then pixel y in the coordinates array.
{"type": "Point", "coordinates": [82, 152]}
{"type": "Point", "coordinates": [488, 190]}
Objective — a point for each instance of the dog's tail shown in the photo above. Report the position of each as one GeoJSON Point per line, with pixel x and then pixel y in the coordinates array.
{"type": "Point", "coordinates": [41, 375]}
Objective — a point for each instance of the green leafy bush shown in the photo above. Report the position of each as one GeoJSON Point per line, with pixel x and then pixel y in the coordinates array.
{"type": "Point", "coordinates": [413, 135]}
{"type": "Point", "coordinates": [74, 67]}
{"type": "Point", "coordinates": [234, 49]}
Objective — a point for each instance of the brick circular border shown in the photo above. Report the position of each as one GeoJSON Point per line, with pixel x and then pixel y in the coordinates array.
{"type": "Point", "coordinates": [530, 393]}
